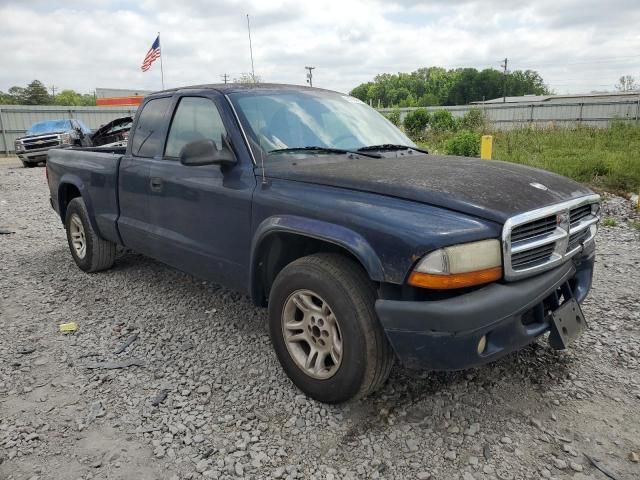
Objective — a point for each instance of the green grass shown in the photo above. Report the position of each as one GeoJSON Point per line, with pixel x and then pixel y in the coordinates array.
{"type": "Point", "coordinates": [634, 224]}
{"type": "Point", "coordinates": [609, 222]}
{"type": "Point", "coordinates": [605, 158]}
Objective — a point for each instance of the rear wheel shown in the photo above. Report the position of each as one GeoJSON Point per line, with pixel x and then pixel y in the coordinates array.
{"type": "Point", "coordinates": [325, 331]}
{"type": "Point", "coordinates": [90, 252]}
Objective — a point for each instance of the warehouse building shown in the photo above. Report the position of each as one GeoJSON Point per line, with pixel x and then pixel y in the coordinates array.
{"type": "Point", "coordinates": [597, 97]}
{"type": "Point", "coordinates": [119, 97]}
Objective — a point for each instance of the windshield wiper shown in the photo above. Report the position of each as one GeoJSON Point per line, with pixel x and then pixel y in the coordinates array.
{"type": "Point", "coordinates": [325, 149]}
{"type": "Point", "coordinates": [390, 146]}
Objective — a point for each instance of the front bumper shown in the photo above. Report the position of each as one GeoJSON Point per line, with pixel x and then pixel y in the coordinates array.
{"type": "Point", "coordinates": [444, 334]}
{"type": "Point", "coordinates": [36, 155]}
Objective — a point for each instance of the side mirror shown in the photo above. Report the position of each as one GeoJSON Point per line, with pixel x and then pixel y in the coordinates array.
{"type": "Point", "coordinates": [205, 152]}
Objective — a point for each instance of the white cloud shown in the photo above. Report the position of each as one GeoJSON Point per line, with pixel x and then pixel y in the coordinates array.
{"type": "Point", "coordinates": [575, 45]}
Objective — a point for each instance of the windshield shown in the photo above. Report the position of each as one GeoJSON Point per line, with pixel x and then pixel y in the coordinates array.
{"type": "Point", "coordinates": [286, 119]}
{"type": "Point", "coordinates": [49, 126]}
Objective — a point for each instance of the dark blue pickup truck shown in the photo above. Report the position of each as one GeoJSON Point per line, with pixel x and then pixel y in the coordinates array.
{"type": "Point", "coordinates": [364, 247]}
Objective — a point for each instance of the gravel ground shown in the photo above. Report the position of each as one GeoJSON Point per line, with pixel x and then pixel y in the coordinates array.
{"type": "Point", "coordinates": [203, 395]}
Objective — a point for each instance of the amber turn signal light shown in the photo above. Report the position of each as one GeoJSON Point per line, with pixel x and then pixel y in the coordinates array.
{"type": "Point", "coordinates": [454, 280]}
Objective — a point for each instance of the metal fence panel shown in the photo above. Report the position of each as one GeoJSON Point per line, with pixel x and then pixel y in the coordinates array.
{"type": "Point", "coordinates": [16, 119]}
{"type": "Point", "coordinates": [540, 114]}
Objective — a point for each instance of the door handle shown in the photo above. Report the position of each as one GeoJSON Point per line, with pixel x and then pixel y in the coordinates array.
{"type": "Point", "coordinates": [156, 184]}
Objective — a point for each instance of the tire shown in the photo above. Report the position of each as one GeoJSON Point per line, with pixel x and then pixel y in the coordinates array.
{"type": "Point", "coordinates": [28, 164]}
{"type": "Point", "coordinates": [98, 254]}
{"type": "Point", "coordinates": [322, 284]}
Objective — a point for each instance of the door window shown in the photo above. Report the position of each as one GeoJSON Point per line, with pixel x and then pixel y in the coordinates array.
{"type": "Point", "coordinates": [196, 118]}
{"type": "Point", "coordinates": [147, 139]}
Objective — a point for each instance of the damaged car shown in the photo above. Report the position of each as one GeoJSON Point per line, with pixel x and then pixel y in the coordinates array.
{"type": "Point", "coordinates": [45, 135]}
{"type": "Point", "coordinates": [113, 134]}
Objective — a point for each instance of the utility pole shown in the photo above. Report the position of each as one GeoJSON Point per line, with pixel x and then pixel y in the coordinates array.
{"type": "Point", "coordinates": [310, 76]}
{"type": "Point", "coordinates": [53, 91]}
{"type": "Point", "coordinates": [225, 77]}
{"type": "Point", "coordinates": [504, 80]}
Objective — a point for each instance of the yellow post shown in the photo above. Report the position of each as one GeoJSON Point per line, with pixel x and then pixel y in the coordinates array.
{"type": "Point", "coordinates": [486, 147]}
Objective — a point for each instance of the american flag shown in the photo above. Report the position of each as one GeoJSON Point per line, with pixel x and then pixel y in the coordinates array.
{"type": "Point", "coordinates": [152, 55]}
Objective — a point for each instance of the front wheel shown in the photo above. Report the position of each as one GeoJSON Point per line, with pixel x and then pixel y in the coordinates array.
{"type": "Point", "coordinates": [90, 252]}
{"type": "Point", "coordinates": [325, 331]}
{"type": "Point", "coordinates": [26, 164]}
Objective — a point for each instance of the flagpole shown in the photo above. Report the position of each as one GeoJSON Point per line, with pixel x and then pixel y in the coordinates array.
{"type": "Point", "coordinates": [161, 69]}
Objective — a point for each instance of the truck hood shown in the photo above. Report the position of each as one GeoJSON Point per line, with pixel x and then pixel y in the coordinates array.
{"type": "Point", "coordinates": [492, 190]}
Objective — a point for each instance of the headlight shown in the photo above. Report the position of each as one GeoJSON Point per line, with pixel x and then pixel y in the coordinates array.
{"type": "Point", "coordinates": [19, 146]}
{"type": "Point", "coordinates": [459, 266]}
{"type": "Point", "coordinates": [66, 139]}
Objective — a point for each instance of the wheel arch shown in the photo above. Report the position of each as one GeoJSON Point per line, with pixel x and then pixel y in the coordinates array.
{"type": "Point", "coordinates": [71, 187]}
{"type": "Point", "coordinates": [280, 240]}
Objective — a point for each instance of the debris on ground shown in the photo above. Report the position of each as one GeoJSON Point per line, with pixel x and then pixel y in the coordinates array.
{"type": "Point", "coordinates": [160, 397]}
{"type": "Point", "coordinates": [602, 468]}
{"type": "Point", "coordinates": [131, 362]}
{"type": "Point", "coordinates": [69, 327]}
{"type": "Point", "coordinates": [126, 343]}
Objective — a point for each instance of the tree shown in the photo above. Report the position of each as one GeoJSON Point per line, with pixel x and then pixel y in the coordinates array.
{"type": "Point", "coordinates": [626, 83]}
{"type": "Point", "coordinates": [442, 120]}
{"type": "Point", "coordinates": [438, 86]}
{"type": "Point", "coordinates": [416, 122]}
{"type": "Point", "coordinates": [6, 99]}
{"type": "Point", "coordinates": [248, 78]}
{"type": "Point", "coordinates": [17, 94]}
{"type": "Point", "coordinates": [394, 117]}
{"type": "Point", "coordinates": [71, 97]}
{"type": "Point", "coordinates": [36, 94]}
{"type": "Point", "coordinates": [464, 143]}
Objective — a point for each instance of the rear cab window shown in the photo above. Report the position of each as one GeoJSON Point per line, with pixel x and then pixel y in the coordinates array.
{"type": "Point", "coordinates": [148, 136]}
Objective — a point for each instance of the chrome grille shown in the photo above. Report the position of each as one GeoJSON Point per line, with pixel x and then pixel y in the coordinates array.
{"type": "Point", "coordinates": [41, 142]}
{"type": "Point", "coordinates": [529, 258]}
{"type": "Point", "coordinates": [543, 226]}
{"type": "Point", "coordinates": [542, 239]}
{"type": "Point", "coordinates": [579, 213]}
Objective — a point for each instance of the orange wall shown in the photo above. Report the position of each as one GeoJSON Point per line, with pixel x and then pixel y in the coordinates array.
{"type": "Point", "coordinates": [119, 101]}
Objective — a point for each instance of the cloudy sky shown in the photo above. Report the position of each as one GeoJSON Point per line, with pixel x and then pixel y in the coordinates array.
{"type": "Point", "coordinates": [577, 45]}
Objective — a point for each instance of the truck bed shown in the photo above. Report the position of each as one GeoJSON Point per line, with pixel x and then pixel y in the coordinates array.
{"type": "Point", "coordinates": [94, 171]}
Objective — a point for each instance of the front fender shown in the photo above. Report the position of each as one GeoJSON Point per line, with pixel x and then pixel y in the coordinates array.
{"type": "Point", "coordinates": [351, 241]}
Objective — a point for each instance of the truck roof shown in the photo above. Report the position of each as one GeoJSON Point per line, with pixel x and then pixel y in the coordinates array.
{"type": "Point", "coordinates": [242, 87]}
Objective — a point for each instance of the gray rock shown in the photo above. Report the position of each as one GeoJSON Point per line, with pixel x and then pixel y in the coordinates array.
{"type": "Point", "coordinates": [560, 464]}
{"type": "Point", "coordinates": [450, 455]}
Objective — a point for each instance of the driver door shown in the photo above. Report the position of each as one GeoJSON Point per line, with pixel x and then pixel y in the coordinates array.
{"type": "Point", "coordinates": [200, 215]}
